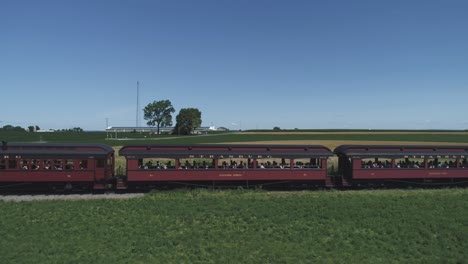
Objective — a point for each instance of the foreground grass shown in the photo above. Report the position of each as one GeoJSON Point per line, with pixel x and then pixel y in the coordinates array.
{"type": "Point", "coordinates": [241, 226]}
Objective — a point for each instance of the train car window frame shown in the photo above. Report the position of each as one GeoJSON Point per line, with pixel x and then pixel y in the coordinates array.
{"type": "Point", "coordinates": [58, 165]}
{"type": "Point", "coordinates": [83, 164]}
{"type": "Point", "coordinates": [69, 164]}
{"type": "Point", "coordinates": [12, 164]}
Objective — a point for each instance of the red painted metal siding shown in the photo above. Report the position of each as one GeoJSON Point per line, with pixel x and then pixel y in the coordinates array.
{"type": "Point", "coordinates": [409, 173]}
{"type": "Point", "coordinates": [47, 176]}
{"type": "Point", "coordinates": [225, 175]}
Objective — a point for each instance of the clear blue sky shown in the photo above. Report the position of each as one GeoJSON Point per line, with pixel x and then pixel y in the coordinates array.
{"type": "Point", "coordinates": [244, 63]}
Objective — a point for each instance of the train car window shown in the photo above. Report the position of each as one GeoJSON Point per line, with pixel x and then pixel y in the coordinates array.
{"type": "Point", "coordinates": [313, 164]}
{"type": "Point", "coordinates": [69, 165]}
{"type": "Point", "coordinates": [409, 163]}
{"type": "Point", "coordinates": [24, 165]}
{"type": "Point", "coordinates": [12, 164]}
{"type": "Point", "coordinates": [2, 164]}
{"type": "Point", "coordinates": [307, 164]}
{"type": "Point", "coordinates": [100, 163]}
{"type": "Point", "coordinates": [230, 163]}
{"type": "Point", "coordinates": [35, 164]}
{"type": "Point", "coordinates": [442, 163]}
{"type": "Point", "coordinates": [376, 163]}
{"type": "Point", "coordinates": [58, 165]}
{"type": "Point", "coordinates": [464, 163]}
{"type": "Point", "coordinates": [274, 163]}
{"type": "Point", "coordinates": [157, 164]}
{"type": "Point", "coordinates": [47, 164]}
{"type": "Point", "coordinates": [83, 164]}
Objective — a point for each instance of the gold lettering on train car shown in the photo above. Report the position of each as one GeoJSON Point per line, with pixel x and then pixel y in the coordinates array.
{"type": "Point", "coordinates": [230, 175]}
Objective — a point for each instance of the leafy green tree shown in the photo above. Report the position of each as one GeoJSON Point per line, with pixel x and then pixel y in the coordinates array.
{"type": "Point", "coordinates": [12, 128]}
{"type": "Point", "coordinates": [33, 128]}
{"type": "Point", "coordinates": [159, 113]}
{"type": "Point", "coordinates": [187, 120]}
{"type": "Point", "coordinates": [276, 128]}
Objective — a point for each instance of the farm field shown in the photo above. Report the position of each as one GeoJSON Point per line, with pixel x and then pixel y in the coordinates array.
{"type": "Point", "coordinates": [349, 137]}
{"type": "Point", "coordinates": [424, 226]}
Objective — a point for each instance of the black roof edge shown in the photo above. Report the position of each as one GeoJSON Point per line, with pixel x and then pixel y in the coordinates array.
{"type": "Point", "coordinates": [343, 148]}
{"type": "Point", "coordinates": [65, 145]}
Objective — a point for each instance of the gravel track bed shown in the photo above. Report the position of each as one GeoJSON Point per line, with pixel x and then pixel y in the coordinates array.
{"type": "Point", "coordinates": [41, 197]}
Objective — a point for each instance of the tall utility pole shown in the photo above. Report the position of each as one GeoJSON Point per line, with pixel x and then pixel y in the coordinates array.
{"type": "Point", "coordinates": [107, 127]}
{"type": "Point", "coordinates": [138, 104]}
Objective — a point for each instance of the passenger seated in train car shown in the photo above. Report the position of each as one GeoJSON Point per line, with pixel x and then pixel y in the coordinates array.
{"type": "Point", "coordinates": [83, 164]}
{"type": "Point", "coordinates": [69, 165]}
{"type": "Point", "coordinates": [58, 165]}
{"type": "Point", "coordinates": [442, 163]}
{"type": "Point", "coordinates": [376, 163]}
{"type": "Point", "coordinates": [262, 166]}
{"type": "Point", "coordinates": [24, 165]}
{"type": "Point", "coordinates": [148, 165]}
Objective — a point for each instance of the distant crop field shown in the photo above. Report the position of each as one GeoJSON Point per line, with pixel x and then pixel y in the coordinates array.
{"type": "Point", "coordinates": [424, 226]}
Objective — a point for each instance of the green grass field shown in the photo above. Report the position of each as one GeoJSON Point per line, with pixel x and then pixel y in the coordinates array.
{"type": "Point", "coordinates": [410, 226]}
{"type": "Point", "coordinates": [137, 138]}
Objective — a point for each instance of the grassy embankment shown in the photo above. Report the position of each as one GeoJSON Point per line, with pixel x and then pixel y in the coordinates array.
{"type": "Point", "coordinates": [425, 226]}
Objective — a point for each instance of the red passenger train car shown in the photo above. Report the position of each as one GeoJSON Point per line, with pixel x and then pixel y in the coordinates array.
{"type": "Point", "coordinates": [226, 164]}
{"type": "Point", "coordinates": [403, 164]}
{"type": "Point", "coordinates": [57, 166]}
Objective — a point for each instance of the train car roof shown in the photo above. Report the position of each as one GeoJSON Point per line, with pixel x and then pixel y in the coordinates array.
{"type": "Point", "coordinates": [221, 150]}
{"type": "Point", "coordinates": [401, 150]}
{"type": "Point", "coordinates": [55, 149]}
